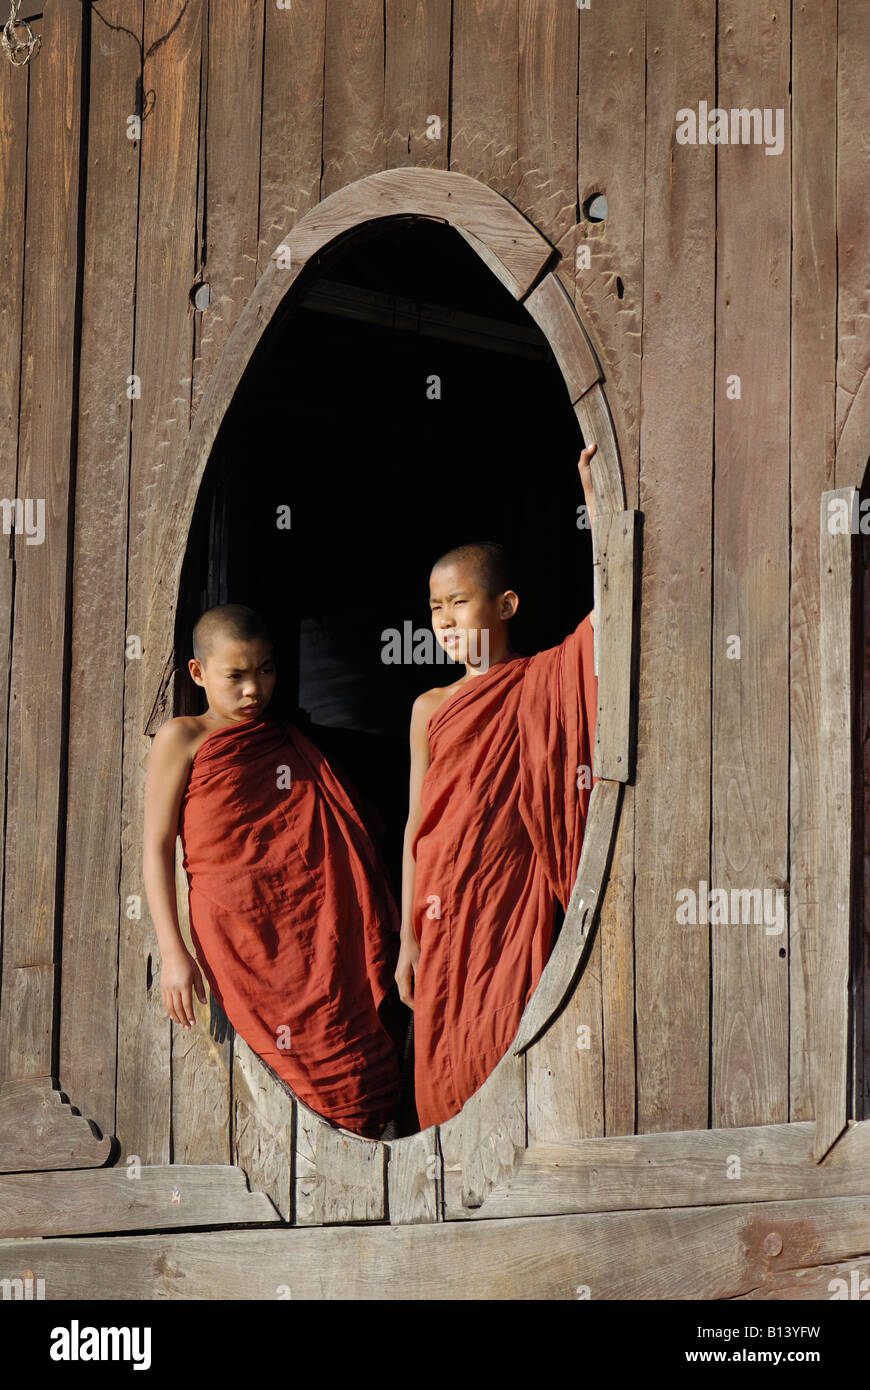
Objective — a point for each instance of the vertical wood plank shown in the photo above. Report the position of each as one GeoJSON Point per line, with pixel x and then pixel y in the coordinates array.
{"type": "Point", "coordinates": [89, 987]}
{"type": "Point", "coordinates": [751, 579]}
{"type": "Point", "coordinates": [547, 115]}
{"type": "Point", "coordinates": [36, 739]}
{"type": "Point", "coordinates": [417, 83]}
{"type": "Point", "coordinates": [230, 160]}
{"type": "Point", "coordinates": [813, 375]}
{"type": "Point", "coordinates": [853, 225]}
{"type": "Point", "coordinates": [353, 94]}
{"type": "Point", "coordinates": [485, 96]}
{"type": "Point", "coordinates": [292, 126]}
{"type": "Point", "coordinates": [231, 164]}
{"type": "Point", "coordinates": [13, 192]}
{"type": "Point", "coordinates": [672, 813]}
{"type": "Point", "coordinates": [263, 1128]}
{"type": "Point", "coordinates": [839, 776]}
{"type": "Point", "coordinates": [609, 297]}
{"type": "Point", "coordinates": [612, 139]}
{"type": "Point", "coordinates": [161, 418]}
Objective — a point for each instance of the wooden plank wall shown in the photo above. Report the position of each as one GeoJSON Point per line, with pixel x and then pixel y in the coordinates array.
{"type": "Point", "coordinates": [251, 115]}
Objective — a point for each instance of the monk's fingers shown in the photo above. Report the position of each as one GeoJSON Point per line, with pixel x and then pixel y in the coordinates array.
{"type": "Point", "coordinates": [198, 984]}
{"type": "Point", "coordinates": [169, 1004]}
{"type": "Point", "coordinates": [187, 1005]}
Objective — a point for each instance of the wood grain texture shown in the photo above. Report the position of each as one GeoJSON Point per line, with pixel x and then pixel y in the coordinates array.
{"type": "Point", "coordinates": [484, 131]}
{"type": "Point", "coordinates": [339, 1177]}
{"type": "Point", "coordinates": [853, 242]}
{"type": "Point", "coordinates": [92, 908]}
{"type": "Point", "coordinates": [161, 420]}
{"type": "Point", "coordinates": [547, 115]}
{"type": "Point", "coordinates": [263, 1128]}
{"type": "Point", "coordinates": [14, 84]}
{"type": "Point", "coordinates": [839, 765]}
{"type": "Point", "coordinates": [617, 543]}
{"type": "Point", "coordinates": [702, 1253]}
{"type": "Point", "coordinates": [550, 306]}
{"type": "Point", "coordinates": [750, 772]}
{"type": "Point", "coordinates": [414, 1179]}
{"type": "Point", "coordinates": [231, 164]}
{"type": "Point", "coordinates": [609, 293]}
{"type": "Point", "coordinates": [417, 83]}
{"type": "Point", "coordinates": [292, 107]}
{"type": "Point", "coordinates": [353, 94]}
{"type": "Point", "coordinates": [767, 1163]}
{"type": "Point", "coordinates": [672, 812]}
{"type": "Point", "coordinates": [57, 1204]}
{"type": "Point", "coordinates": [38, 1130]}
{"type": "Point", "coordinates": [480, 1144]}
{"type": "Point", "coordinates": [38, 671]}
{"type": "Point", "coordinates": [813, 376]}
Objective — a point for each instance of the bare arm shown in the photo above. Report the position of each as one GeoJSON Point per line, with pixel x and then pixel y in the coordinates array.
{"type": "Point", "coordinates": [168, 768]}
{"type": "Point", "coordinates": [585, 469]}
{"type": "Point", "coordinates": [409, 953]}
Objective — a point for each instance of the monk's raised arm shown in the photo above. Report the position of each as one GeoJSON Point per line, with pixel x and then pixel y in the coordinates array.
{"type": "Point", "coordinates": [168, 769]}
{"type": "Point", "coordinates": [585, 469]}
{"type": "Point", "coordinates": [409, 953]}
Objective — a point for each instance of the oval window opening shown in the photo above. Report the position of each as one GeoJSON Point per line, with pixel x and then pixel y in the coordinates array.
{"type": "Point", "coordinates": [402, 403]}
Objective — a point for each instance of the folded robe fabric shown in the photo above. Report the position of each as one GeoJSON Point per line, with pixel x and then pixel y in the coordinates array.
{"type": "Point", "coordinates": [292, 920]}
{"type": "Point", "coordinates": [504, 804]}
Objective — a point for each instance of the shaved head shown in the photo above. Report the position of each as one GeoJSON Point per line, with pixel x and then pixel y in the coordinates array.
{"type": "Point", "coordinates": [487, 559]}
{"type": "Point", "coordinates": [231, 621]}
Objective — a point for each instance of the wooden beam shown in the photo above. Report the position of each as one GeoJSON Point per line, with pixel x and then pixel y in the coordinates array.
{"type": "Point", "coordinates": [764, 1163]}
{"type": "Point", "coordinates": [705, 1253]}
{"type": "Point", "coordinates": [118, 1199]}
{"type": "Point", "coordinates": [839, 763]}
{"type": "Point", "coordinates": [617, 545]}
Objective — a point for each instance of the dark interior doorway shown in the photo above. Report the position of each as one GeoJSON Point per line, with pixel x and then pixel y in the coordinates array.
{"type": "Point", "coordinates": [334, 420]}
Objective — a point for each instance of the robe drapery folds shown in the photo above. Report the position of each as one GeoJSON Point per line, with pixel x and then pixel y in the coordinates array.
{"type": "Point", "coordinates": [293, 923]}
{"type": "Point", "coordinates": [504, 805]}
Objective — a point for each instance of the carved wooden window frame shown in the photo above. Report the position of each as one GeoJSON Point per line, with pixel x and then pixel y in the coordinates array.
{"type": "Point", "coordinates": [445, 1171]}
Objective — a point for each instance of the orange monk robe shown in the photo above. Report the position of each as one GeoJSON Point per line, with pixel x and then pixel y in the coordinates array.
{"type": "Point", "coordinates": [293, 923]}
{"type": "Point", "coordinates": [503, 814]}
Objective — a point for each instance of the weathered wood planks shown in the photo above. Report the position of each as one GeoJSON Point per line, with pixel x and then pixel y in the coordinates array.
{"type": "Point", "coordinates": [767, 1163]}
{"type": "Point", "coordinates": [39, 1130]}
{"type": "Point", "coordinates": [161, 420]}
{"type": "Point", "coordinates": [92, 909]}
{"type": "Point", "coordinates": [813, 376]}
{"type": "Point", "coordinates": [750, 765]}
{"type": "Point", "coordinates": [43, 482]}
{"type": "Point", "coordinates": [118, 1199]}
{"type": "Point", "coordinates": [839, 770]}
{"type": "Point", "coordinates": [701, 1253]}
{"type": "Point", "coordinates": [417, 84]}
{"type": "Point", "coordinates": [547, 115]}
{"type": "Point", "coordinates": [672, 792]}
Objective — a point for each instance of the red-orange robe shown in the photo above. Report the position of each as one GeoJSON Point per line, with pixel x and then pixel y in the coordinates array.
{"type": "Point", "coordinates": [503, 813]}
{"type": "Point", "coordinates": [294, 925]}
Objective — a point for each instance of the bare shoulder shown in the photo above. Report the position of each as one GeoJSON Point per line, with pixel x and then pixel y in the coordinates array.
{"type": "Point", "coordinates": [176, 741]}
{"type": "Point", "coordinates": [426, 704]}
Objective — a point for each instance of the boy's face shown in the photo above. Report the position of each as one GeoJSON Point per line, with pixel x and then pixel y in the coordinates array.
{"type": "Point", "coordinates": [238, 677]}
{"type": "Point", "coordinates": [468, 623]}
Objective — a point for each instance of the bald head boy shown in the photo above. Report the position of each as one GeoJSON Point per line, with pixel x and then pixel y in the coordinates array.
{"type": "Point", "coordinates": [291, 918]}
{"type": "Point", "coordinates": [499, 791]}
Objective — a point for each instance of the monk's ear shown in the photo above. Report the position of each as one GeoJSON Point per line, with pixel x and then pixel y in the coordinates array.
{"type": "Point", "coordinates": [195, 669]}
{"type": "Point", "coordinates": [510, 602]}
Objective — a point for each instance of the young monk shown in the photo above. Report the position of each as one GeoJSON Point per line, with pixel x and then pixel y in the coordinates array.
{"type": "Point", "coordinates": [501, 773]}
{"type": "Point", "coordinates": [291, 919]}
